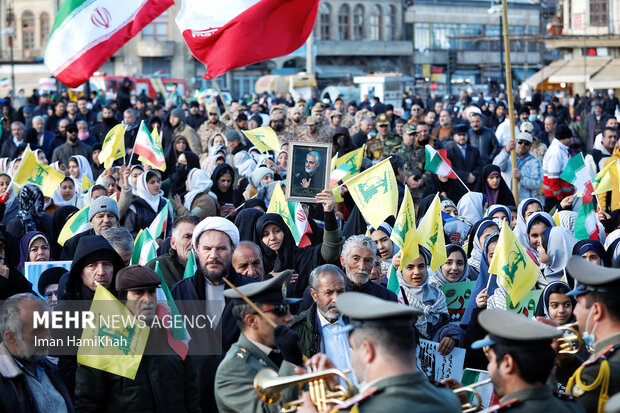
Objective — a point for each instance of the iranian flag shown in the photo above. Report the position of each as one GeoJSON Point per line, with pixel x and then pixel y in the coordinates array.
{"type": "Point", "coordinates": [87, 33]}
{"type": "Point", "coordinates": [577, 174]}
{"type": "Point", "coordinates": [148, 146]}
{"type": "Point", "coordinates": [586, 224]}
{"type": "Point", "coordinates": [158, 226]}
{"type": "Point", "coordinates": [303, 226]}
{"type": "Point", "coordinates": [77, 223]}
{"type": "Point", "coordinates": [144, 248]}
{"type": "Point", "coordinates": [394, 286]}
{"type": "Point", "coordinates": [4, 82]}
{"type": "Point", "coordinates": [190, 267]}
{"type": "Point", "coordinates": [228, 34]}
{"type": "Point", "coordinates": [437, 162]}
{"type": "Point", "coordinates": [178, 337]}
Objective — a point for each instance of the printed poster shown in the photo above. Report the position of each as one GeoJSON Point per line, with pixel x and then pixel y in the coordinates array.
{"type": "Point", "coordinates": [527, 306]}
{"type": "Point", "coordinates": [34, 269]}
{"type": "Point", "coordinates": [436, 366]}
{"type": "Point", "coordinates": [457, 297]}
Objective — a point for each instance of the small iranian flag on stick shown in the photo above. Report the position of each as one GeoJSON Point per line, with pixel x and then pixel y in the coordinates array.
{"type": "Point", "coordinates": [577, 174]}
{"type": "Point", "coordinates": [586, 224]}
{"type": "Point", "coordinates": [158, 226]}
{"type": "Point", "coordinates": [144, 248]}
{"type": "Point", "coordinates": [437, 163]}
{"type": "Point", "coordinates": [148, 146]}
{"type": "Point", "coordinates": [190, 267]}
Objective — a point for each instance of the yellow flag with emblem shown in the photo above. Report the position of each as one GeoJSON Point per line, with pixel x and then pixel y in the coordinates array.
{"type": "Point", "coordinates": [431, 235]}
{"type": "Point", "coordinates": [404, 233]}
{"type": "Point", "coordinates": [351, 162]}
{"type": "Point", "coordinates": [31, 171]}
{"type": "Point", "coordinates": [279, 205]}
{"type": "Point", "coordinates": [86, 183]}
{"type": "Point", "coordinates": [116, 340]}
{"type": "Point", "coordinates": [514, 268]}
{"type": "Point", "coordinates": [113, 146]}
{"type": "Point", "coordinates": [264, 138]}
{"type": "Point", "coordinates": [375, 192]}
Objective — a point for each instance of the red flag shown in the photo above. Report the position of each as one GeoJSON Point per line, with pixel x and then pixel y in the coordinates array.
{"type": "Point", "coordinates": [228, 34]}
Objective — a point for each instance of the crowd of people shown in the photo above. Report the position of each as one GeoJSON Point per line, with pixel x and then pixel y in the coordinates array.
{"type": "Point", "coordinates": [218, 186]}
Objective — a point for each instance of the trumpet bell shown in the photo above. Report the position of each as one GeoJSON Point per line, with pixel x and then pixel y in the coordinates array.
{"type": "Point", "coordinates": [571, 341]}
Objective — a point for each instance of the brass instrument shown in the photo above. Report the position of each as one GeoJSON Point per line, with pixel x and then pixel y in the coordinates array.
{"type": "Point", "coordinates": [571, 343]}
{"type": "Point", "coordinates": [471, 407]}
{"type": "Point", "coordinates": [270, 388]}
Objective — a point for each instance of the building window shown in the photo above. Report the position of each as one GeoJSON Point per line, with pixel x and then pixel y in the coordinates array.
{"type": "Point", "coordinates": [157, 29]}
{"type": "Point", "coordinates": [344, 22]}
{"type": "Point", "coordinates": [358, 23]}
{"type": "Point", "coordinates": [599, 15]}
{"type": "Point", "coordinates": [390, 23]}
{"type": "Point", "coordinates": [445, 36]}
{"type": "Point", "coordinates": [45, 28]}
{"type": "Point", "coordinates": [28, 30]}
{"type": "Point", "coordinates": [324, 18]}
{"type": "Point", "coordinates": [422, 36]}
{"type": "Point", "coordinates": [375, 23]}
{"type": "Point", "coordinates": [473, 32]}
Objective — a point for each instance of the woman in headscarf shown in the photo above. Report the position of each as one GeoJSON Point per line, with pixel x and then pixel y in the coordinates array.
{"type": "Point", "coordinates": [31, 216]}
{"type": "Point", "coordinates": [491, 183]}
{"type": "Point", "coordinates": [246, 222]}
{"type": "Point", "coordinates": [555, 248]}
{"type": "Point", "coordinates": [199, 200]}
{"type": "Point", "coordinates": [186, 161]}
{"type": "Point", "coordinates": [525, 210]}
{"type": "Point", "coordinates": [593, 251]}
{"type": "Point", "coordinates": [60, 218]}
{"type": "Point", "coordinates": [60, 167]}
{"type": "Point", "coordinates": [449, 208]}
{"type": "Point", "coordinates": [341, 140]}
{"type": "Point", "coordinates": [78, 168]}
{"type": "Point", "coordinates": [8, 197]}
{"type": "Point", "coordinates": [260, 177]}
{"type": "Point", "coordinates": [34, 246]}
{"type": "Point", "coordinates": [149, 202]}
{"type": "Point", "coordinates": [454, 270]}
{"type": "Point", "coordinates": [480, 231]}
{"type": "Point", "coordinates": [536, 226]}
{"type": "Point", "coordinates": [228, 196]}
{"type": "Point", "coordinates": [179, 146]}
{"type": "Point", "coordinates": [65, 194]}
{"type": "Point", "coordinates": [280, 252]}
{"type": "Point", "coordinates": [282, 164]}
{"type": "Point", "coordinates": [41, 156]}
{"type": "Point", "coordinates": [499, 213]}
{"type": "Point", "coordinates": [471, 207]}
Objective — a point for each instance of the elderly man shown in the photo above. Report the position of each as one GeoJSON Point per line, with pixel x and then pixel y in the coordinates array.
{"type": "Point", "coordinates": [248, 260]}
{"type": "Point", "coordinates": [103, 214]}
{"type": "Point", "coordinates": [164, 381]}
{"type": "Point", "coordinates": [180, 128]}
{"type": "Point", "coordinates": [172, 264]}
{"type": "Point", "coordinates": [44, 137]}
{"type": "Point", "coordinates": [318, 326]}
{"type": "Point", "coordinates": [121, 240]}
{"type": "Point", "coordinates": [482, 138]}
{"type": "Point", "coordinates": [9, 147]}
{"type": "Point", "coordinates": [260, 345]}
{"type": "Point", "coordinates": [29, 381]}
{"type": "Point", "coordinates": [72, 146]}
{"type": "Point", "coordinates": [214, 240]}
{"type": "Point", "coordinates": [360, 137]}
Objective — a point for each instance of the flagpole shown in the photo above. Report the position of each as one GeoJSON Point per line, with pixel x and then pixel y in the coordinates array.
{"type": "Point", "coordinates": [460, 180]}
{"type": "Point", "coordinates": [227, 109]}
{"type": "Point", "coordinates": [250, 303]}
{"type": "Point", "coordinates": [354, 177]}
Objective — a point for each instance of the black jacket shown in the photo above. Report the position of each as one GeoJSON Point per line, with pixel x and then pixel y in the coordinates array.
{"type": "Point", "coordinates": [140, 215]}
{"type": "Point", "coordinates": [370, 288]}
{"type": "Point", "coordinates": [484, 139]}
{"type": "Point", "coordinates": [304, 324]}
{"type": "Point", "coordinates": [70, 246]}
{"type": "Point", "coordinates": [463, 166]}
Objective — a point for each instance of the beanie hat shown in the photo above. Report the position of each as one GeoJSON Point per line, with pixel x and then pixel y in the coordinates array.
{"type": "Point", "coordinates": [179, 113]}
{"type": "Point", "coordinates": [103, 204]}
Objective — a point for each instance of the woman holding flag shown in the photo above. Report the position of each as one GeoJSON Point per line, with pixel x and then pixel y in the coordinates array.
{"type": "Point", "coordinates": [147, 204]}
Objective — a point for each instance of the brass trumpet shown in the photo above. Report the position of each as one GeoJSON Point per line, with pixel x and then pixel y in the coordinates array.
{"type": "Point", "coordinates": [570, 343]}
{"type": "Point", "coordinates": [270, 388]}
{"type": "Point", "coordinates": [470, 407]}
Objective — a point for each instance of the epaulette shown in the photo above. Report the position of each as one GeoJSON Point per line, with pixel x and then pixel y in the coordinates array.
{"type": "Point", "coordinates": [502, 406]}
{"type": "Point", "coordinates": [356, 399]}
{"type": "Point", "coordinates": [607, 351]}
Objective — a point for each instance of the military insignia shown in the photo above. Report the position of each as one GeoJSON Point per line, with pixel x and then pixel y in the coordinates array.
{"type": "Point", "coordinates": [377, 154]}
{"type": "Point", "coordinates": [577, 391]}
{"type": "Point", "coordinates": [242, 353]}
{"type": "Point", "coordinates": [261, 361]}
{"type": "Point", "coordinates": [356, 399]}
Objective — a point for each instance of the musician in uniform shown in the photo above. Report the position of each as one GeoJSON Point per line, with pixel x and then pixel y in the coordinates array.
{"type": "Point", "coordinates": [597, 312]}
{"type": "Point", "coordinates": [383, 355]}
{"type": "Point", "coordinates": [260, 345]}
{"type": "Point", "coordinates": [520, 361]}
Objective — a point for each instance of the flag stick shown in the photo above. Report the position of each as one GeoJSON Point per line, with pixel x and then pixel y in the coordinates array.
{"type": "Point", "coordinates": [353, 177]}
{"type": "Point", "coordinates": [460, 180]}
{"type": "Point", "coordinates": [250, 303]}
{"type": "Point", "coordinates": [227, 109]}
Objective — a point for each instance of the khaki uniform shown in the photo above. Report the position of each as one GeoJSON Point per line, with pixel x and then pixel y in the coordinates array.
{"type": "Point", "coordinates": [415, 157]}
{"type": "Point", "coordinates": [378, 148]}
{"type": "Point", "coordinates": [347, 121]}
{"type": "Point", "coordinates": [295, 129]}
{"type": "Point", "coordinates": [536, 399]}
{"type": "Point", "coordinates": [317, 136]}
{"type": "Point", "coordinates": [285, 136]}
{"type": "Point", "coordinates": [208, 130]}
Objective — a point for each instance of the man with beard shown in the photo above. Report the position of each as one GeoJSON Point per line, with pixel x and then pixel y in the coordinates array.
{"type": "Point", "coordinates": [318, 326]}
{"type": "Point", "coordinates": [195, 118]}
{"type": "Point", "coordinates": [29, 381]}
{"type": "Point", "coordinates": [60, 112]}
{"type": "Point", "coordinates": [312, 180]}
{"type": "Point", "coordinates": [482, 138]}
{"type": "Point", "coordinates": [180, 128]}
{"type": "Point", "coordinates": [214, 240]}
{"type": "Point", "coordinates": [164, 381]}
{"type": "Point", "coordinates": [296, 122]}
{"type": "Point", "coordinates": [73, 146]}
{"type": "Point", "coordinates": [101, 129]}
{"type": "Point", "coordinates": [444, 129]}
{"type": "Point", "coordinates": [211, 127]}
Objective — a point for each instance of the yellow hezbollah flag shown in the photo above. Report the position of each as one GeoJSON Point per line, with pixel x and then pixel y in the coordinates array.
{"type": "Point", "coordinates": [353, 161]}
{"type": "Point", "coordinates": [86, 183]}
{"type": "Point", "coordinates": [603, 180]}
{"type": "Point", "coordinates": [404, 233]}
{"type": "Point", "coordinates": [264, 138]}
{"type": "Point", "coordinates": [515, 270]}
{"type": "Point", "coordinates": [431, 234]}
{"type": "Point", "coordinates": [279, 205]}
{"type": "Point", "coordinates": [31, 171]}
{"type": "Point", "coordinates": [113, 146]}
{"type": "Point", "coordinates": [76, 224]}
{"type": "Point", "coordinates": [375, 192]}
{"type": "Point", "coordinates": [117, 341]}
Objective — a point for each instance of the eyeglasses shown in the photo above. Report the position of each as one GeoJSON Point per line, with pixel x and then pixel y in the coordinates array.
{"type": "Point", "coordinates": [279, 310]}
{"type": "Point", "coordinates": [524, 143]}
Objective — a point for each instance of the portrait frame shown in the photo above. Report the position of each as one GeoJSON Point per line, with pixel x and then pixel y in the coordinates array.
{"type": "Point", "coordinates": [296, 171]}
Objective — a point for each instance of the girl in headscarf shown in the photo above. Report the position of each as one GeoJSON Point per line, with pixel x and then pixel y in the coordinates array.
{"type": "Point", "coordinates": [282, 164]}
{"type": "Point", "coordinates": [499, 213]}
{"type": "Point", "coordinates": [8, 196]}
{"type": "Point", "coordinates": [199, 200]}
{"type": "Point", "coordinates": [4, 164]}
{"type": "Point", "coordinates": [536, 226]}
{"type": "Point", "coordinates": [471, 207]}
{"type": "Point", "coordinates": [449, 208]}
{"type": "Point", "coordinates": [554, 250]}
{"type": "Point", "coordinates": [78, 168]}
{"type": "Point", "coordinates": [593, 251]}
{"type": "Point", "coordinates": [65, 193]}
{"type": "Point", "coordinates": [41, 156]}
{"type": "Point", "coordinates": [149, 202]}
{"type": "Point", "coordinates": [491, 183]}
{"type": "Point", "coordinates": [281, 253]}
{"type": "Point", "coordinates": [525, 210]}
{"type": "Point", "coordinates": [178, 146]}
{"type": "Point", "coordinates": [34, 246]}
{"type": "Point", "coordinates": [30, 216]}
{"type": "Point", "coordinates": [480, 232]}
{"type": "Point", "coordinates": [260, 177]}
{"type": "Point", "coordinates": [454, 270]}
{"type": "Point", "coordinates": [228, 196]}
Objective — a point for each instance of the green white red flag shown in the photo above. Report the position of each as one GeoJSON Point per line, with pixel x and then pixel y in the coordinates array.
{"type": "Point", "coordinates": [437, 162]}
{"type": "Point", "coordinates": [178, 337]}
{"type": "Point", "coordinates": [586, 224]}
{"type": "Point", "coordinates": [577, 174]}
{"type": "Point", "coordinates": [149, 147]}
{"type": "Point", "coordinates": [144, 248]}
{"type": "Point", "coordinates": [158, 226]}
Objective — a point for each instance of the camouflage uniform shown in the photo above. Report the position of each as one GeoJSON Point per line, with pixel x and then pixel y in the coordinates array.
{"type": "Point", "coordinates": [295, 129]}
{"type": "Point", "coordinates": [347, 121]}
{"type": "Point", "coordinates": [207, 130]}
{"type": "Point", "coordinates": [379, 147]}
{"type": "Point", "coordinates": [414, 157]}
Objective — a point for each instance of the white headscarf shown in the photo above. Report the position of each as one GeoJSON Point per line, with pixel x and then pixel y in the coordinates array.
{"type": "Point", "coordinates": [144, 193]}
{"type": "Point", "coordinates": [521, 226]}
{"type": "Point", "coordinates": [134, 189]}
{"type": "Point", "coordinates": [471, 207]}
{"type": "Point", "coordinates": [559, 249]}
{"type": "Point", "coordinates": [198, 182]}
{"type": "Point", "coordinates": [4, 165]}
{"type": "Point", "coordinates": [85, 169]}
{"type": "Point", "coordinates": [10, 190]}
{"type": "Point", "coordinates": [57, 197]}
{"type": "Point", "coordinates": [614, 235]}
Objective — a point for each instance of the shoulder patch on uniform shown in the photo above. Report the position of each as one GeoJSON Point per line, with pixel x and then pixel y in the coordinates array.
{"type": "Point", "coordinates": [502, 406]}
{"type": "Point", "coordinates": [242, 353]}
{"type": "Point", "coordinates": [606, 352]}
{"type": "Point", "coordinates": [356, 399]}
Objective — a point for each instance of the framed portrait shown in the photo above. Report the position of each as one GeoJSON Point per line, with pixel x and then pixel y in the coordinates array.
{"type": "Point", "coordinates": [308, 170]}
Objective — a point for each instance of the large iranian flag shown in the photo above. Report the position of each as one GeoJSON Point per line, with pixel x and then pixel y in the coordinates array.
{"type": "Point", "coordinates": [225, 34]}
{"type": "Point", "coordinates": [87, 33]}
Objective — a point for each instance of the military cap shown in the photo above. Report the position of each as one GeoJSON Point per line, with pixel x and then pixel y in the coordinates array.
{"type": "Point", "coordinates": [272, 291]}
{"type": "Point", "coordinates": [460, 129]}
{"type": "Point", "coordinates": [136, 277]}
{"type": "Point", "coordinates": [383, 119]}
{"type": "Point", "coordinates": [367, 310]}
{"type": "Point", "coordinates": [511, 328]}
{"type": "Point", "coordinates": [318, 107]}
{"type": "Point", "coordinates": [335, 113]}
{"type": "Point", "coordinates": [310, 121]}
{"type": "Point", "coordinates": [277, 115]}
{"type": "Point", "coordinates": [213, 109]}
{"type": "Point", "coordinates": [411, 129]}
{"type": "Point", "coordinates": [591, 277]}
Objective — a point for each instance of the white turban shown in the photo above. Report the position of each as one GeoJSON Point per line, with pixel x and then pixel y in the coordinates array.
{"type": "Point", "coordinates": [216, 224]}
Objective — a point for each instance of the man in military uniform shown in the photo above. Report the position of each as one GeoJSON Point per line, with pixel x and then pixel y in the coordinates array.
{"type": "Point", "coordinates": [383, 355]}
{"type": "Point", "coordinates": [211, 127]}
{"type": "Point", "coordinates": [312, 133]}
{"type": "Point", "coordinates": [260, 345]}
{"type": "Point", "coordinates": [520, 361]}
{"type": "Point", "coordinates": [414, 156]}
{"type": "Point", "coordinates": [597, 311]}
{"type": "Point", "coordinates": [295, 125]}
{"type": "Point", "coordinates": [335, 118]}
{"type": "Point", "coordinates": [347, 119]}
{"type": "Point", "coordinates": [277, 122]}
{"type": "Point", "coordinates": [323, 128]}
{"type": "Point", "coordinates": [384, 143]}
